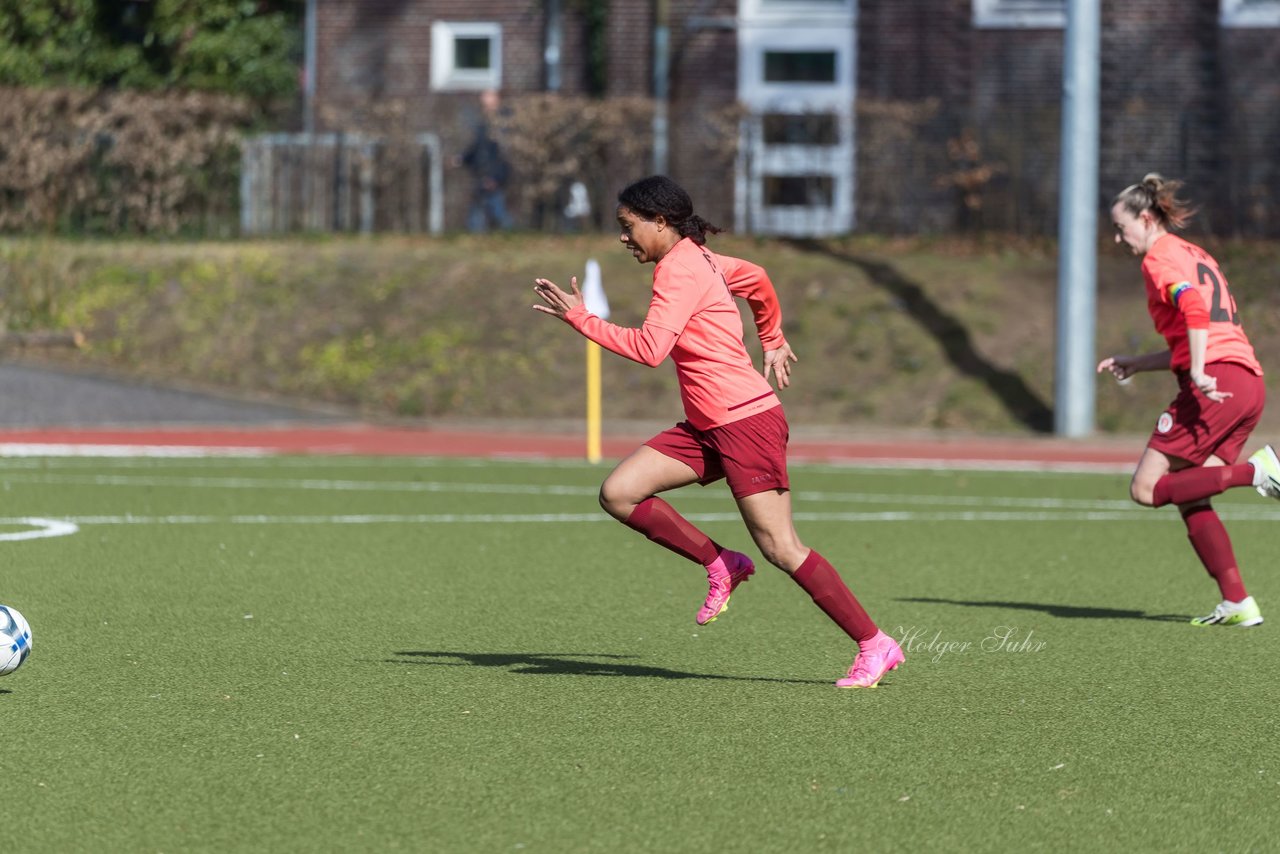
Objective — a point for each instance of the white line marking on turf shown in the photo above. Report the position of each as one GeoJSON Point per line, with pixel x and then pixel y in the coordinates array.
{"type": "Point", "coordinates": [971, 500]}
{"type": "Point", "coordinates": [308, 483]}
{"type": "Point", "coordinates": [1120, 508]}
{"type": "Point", "coordinates": [43, 528]}
{"type": "Point", "coordinates": [446, 487]}
{"type": "Point", "coordinates": [71, 522]}
{"type": "Point", "coordinates": [914, 465]}
{"type": "Point", "coordinates": [19, 449]}
{"type": "Point", "coordinates": [343, 519]}
{"type": "Point", "coordinates": [288, 461]}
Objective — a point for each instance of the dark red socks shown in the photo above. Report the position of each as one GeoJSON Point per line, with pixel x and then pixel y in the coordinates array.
{"type": "Point", "coordinates": [660, 522]}
{"type": "Point", "coordinates": [829, 592]}
{"type": "Point", "coordinates": [1193, 484]}
{"type": "Point", "coordinates": [1209, 538]}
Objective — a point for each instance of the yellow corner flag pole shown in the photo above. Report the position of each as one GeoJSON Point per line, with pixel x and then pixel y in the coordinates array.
{"type": "Point", "coordinates": [594, 298]}
{"type": "Point", "coordinates": [593, 402]}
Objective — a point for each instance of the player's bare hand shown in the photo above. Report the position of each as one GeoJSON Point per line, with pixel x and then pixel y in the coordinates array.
{"type": "Point", "coordinates": [1209, 387]}
{"type": "Point", "coordinates": [558, 302]}
{"type": "Point", "coordinates": [1121, 367]}
{"type": "Point", "coordinates": [778, 362]}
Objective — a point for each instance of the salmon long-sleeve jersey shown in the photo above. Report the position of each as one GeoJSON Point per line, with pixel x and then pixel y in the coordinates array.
{"type": "Point", "coordinates": [693, 318]}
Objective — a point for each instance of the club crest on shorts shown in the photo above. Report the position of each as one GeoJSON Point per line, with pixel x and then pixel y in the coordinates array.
{"type": "Point", "coordinates": [1165, 423]}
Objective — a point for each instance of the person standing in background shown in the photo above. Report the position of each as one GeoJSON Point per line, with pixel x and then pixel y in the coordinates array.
{"type": "Point", "coordinates": [489, 169]}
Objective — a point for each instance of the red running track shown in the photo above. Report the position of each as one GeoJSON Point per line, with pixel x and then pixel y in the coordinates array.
{"type": "Point", "coordinates": [980, 452]}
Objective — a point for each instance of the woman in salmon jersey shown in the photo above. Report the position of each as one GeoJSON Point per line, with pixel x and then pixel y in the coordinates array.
{"type": "Point", "coordinates": [735, 427]}
{"type": "Point", "coordinates": [1191, 455]}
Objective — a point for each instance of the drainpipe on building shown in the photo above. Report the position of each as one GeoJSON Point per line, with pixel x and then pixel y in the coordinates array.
{"type": "Point", "coordinates": [661, 65]}
{"type": "Point", "coordinates": [309, 70]}
{"type": "Point", "coordinates": [551, 51]}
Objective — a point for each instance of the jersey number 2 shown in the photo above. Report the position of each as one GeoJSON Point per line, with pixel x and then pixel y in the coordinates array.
{"type": "Point", "coordinates": [1217, 312]}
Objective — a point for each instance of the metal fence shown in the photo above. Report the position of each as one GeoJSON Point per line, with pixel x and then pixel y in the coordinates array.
{"type": "Point", "coordinates": [327, 182]}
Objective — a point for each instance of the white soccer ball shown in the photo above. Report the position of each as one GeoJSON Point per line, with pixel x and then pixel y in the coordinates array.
{"type": "Point", "coordinates": [15, 640]}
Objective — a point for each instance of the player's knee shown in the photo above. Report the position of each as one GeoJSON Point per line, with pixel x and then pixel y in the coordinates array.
{"type": "Point", "coordinates": [614, 501]}
{"type": "Point", "coordinates": [785, 555]}
{"type": "Point", "coordinates": [1142, 493]}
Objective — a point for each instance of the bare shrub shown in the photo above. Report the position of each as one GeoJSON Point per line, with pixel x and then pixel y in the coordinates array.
{"type": "Point", "coordinates": [118, 161]}
{"type": "Point", "coordinates": [901, 151]}
{"type": "Point", "coordinates": [553, 140]}
{"type": "Point", "coordinates": [970, 176]}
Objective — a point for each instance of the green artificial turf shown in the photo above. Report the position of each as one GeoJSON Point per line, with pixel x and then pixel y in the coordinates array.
{"type": "Point", "coordinates": [451, 656]}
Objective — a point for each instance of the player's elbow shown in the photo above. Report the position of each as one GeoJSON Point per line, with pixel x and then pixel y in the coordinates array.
{"type": "Point", "coordinates": [648, 355]}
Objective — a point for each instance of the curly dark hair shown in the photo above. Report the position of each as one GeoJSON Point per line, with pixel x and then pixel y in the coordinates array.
{"type": "Point", "coordinates": [657, 196]}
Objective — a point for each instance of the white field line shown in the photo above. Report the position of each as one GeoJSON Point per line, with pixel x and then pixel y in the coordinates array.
{"type": "Point", "coordinates": [37, 529]}
{"type": "Point", "coordinates": [19, 449]}
{"type": "Point", "coordinates": [40, 528]}
{"type": "Point", "coordinates": [440, 519]}
{"type": "Point", "coordinates": [972, 508]}
{"type": "Point", "coordinates": [71, 522]}
{"type": "Point", "coordinates": [16, 450]}
{"type": "Point", "coordinates": [881, 468]}
{"type": "Point", "coordinates": [186, 482]}
{"type": "Point", "coordinates": [283, 461]}
{"type": "Point", "coordinates": [1121, 508]}
{"type": "Point", "coordinates": [446, 487]}
{"type": "Point", "coordinates": [915, 465]}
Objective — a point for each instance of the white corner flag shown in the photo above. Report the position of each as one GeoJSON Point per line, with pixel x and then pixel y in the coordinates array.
{"type": "Point", "coordinates": [593, 291]}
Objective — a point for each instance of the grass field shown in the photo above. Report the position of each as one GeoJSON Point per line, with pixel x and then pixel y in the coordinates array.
{"type": "Point", "coordinates": [350, 654]}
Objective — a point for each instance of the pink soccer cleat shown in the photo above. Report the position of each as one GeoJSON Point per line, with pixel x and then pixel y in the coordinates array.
{"type": "Point", "coordinates": [723, 581]}
{"type": "Point", "coordinates": [875, 658]}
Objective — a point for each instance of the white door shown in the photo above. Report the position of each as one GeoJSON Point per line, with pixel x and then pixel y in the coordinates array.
{"type": "Point", "coordinates": [796, 77]}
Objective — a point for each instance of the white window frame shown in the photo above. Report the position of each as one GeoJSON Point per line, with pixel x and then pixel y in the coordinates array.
{"type": "Point", "coordinates": [445, 74]}
{"type": "Point", "coordinates": [754, 43]}
{"type": "Point", "coordinates": [760, 97]}
{"type": "Point", "coordinates": [1250, 13]}
{"type": "Point", "coordinates": [1003, 14]}
{"type": "Point", "coordinates": [809, 10]}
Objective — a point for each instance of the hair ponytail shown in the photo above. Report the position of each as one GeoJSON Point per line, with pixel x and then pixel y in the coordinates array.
{"type": "Point", "coordinates": [696, 229]}
{"type": "Point", "coordinates": [1159, 195]}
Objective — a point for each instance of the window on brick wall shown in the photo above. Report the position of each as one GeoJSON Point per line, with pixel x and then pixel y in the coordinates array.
{"type": "Point", "coordinates": [466, 56]}
{"type": "Point", "coordinates": [799, 66]}
{"type": "Point", "coordinates": [1020, 13]}
{"type": "Point", "coordinates": [799, 191]}
{"type": "Point", "coordinates": [804, 129]}
{"type": "Point", "coordinates": [1250, 13]}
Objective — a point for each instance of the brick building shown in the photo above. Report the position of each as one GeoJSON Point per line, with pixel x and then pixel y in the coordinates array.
{"type": "Point", "coordinates": [882, 115]}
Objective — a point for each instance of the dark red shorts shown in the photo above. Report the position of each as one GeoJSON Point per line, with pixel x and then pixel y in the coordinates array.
{"type": "Point", "coordinates": [750, 454]}
{"type": "Point", "coordinates": [1195, 428]}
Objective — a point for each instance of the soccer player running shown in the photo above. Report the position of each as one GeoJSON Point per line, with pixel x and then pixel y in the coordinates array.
{"type": "Point", "coordinates": [735, 427]}
{"type": "Point", "coordinates": [1191, 455]}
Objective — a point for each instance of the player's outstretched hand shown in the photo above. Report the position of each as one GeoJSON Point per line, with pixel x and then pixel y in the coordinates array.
{"type": "Point", "coordinates": [1121, 367]}
{"type": "Point", "coordinates": [777, 361]}
{"type": "Point", "coordinates": [558, 302]}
